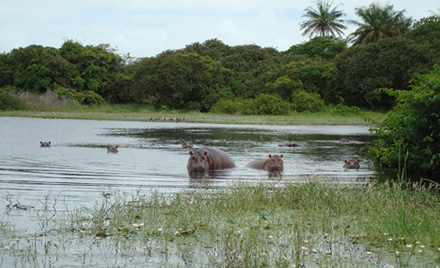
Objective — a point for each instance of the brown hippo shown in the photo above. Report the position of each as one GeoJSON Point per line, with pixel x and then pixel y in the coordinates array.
{"type": "Point", "coordinates": [187, 145]}
{"type": "Point", "coordinates": [45, 143]}
{"type": "Point", "coordinates": [274, 163]}
{"type": "Point", "coordinates": [209, 158]}
{"type": "Point", "coordinates": [112, 149]}
{"type": "Point", "coordinates": [352, 164]}
{"type": "Point", "coordinates": [288, 145]}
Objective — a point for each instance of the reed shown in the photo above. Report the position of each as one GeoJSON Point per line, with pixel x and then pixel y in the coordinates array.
{"type": "Point", "coordinates": [317, 223]}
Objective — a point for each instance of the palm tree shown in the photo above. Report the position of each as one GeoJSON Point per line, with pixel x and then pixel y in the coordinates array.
{"type": "Point", "coordinates": [378, 23]}
{"type": "Point", "coordinates": [323, 21]}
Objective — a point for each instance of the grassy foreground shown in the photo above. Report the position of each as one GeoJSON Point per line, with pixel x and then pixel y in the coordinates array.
{"type": "Point", "coordinates": [132, 112]}
{"type": "Point", "coordinates": [315, 223]}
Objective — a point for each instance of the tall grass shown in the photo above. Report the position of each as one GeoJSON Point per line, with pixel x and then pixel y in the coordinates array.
{"type": "Point", "coordinates": [313, 223]}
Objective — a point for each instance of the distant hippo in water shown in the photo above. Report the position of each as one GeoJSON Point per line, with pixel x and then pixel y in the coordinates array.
{"type": "Point", "coordinates": [112, 149]}
{"type": "Point", "coordinates": [288, 145]}
{"type": "Point", "coordinates": [187, 145]}
{"type": "Point", "coordinates": [209, 158]}
{"type": "Point", "coordinates": [352, 164]}
{"type": "Point", "coordinates": [274, 163]}
{"type": "Point", "coordinates": [45, 143]}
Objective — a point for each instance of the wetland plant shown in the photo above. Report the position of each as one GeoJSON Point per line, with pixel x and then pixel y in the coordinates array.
{"type": "Point", "coordinates": [312, 223]}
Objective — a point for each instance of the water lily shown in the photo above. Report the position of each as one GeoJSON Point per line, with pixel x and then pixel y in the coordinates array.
{"type": "Point", "coordinates": [409, 246]}
{"type": "Point", "coordinates": [159, 230]}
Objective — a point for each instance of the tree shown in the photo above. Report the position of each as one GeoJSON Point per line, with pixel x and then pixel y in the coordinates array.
{"type": "Point", "coordinates": [427, 31]}
{"type": "Point", "coordinates": [378, 23]}
{"type": "Point", "coordinates": [390, 63]}
{"type": "Point", "coordinates": [412, 128]}
{"type": "Point", "coordinates": [324, 21]}
{"type": "Point", "coordinates": [326, 47]}
{"type": "Point", "coordinates": [180, 81]}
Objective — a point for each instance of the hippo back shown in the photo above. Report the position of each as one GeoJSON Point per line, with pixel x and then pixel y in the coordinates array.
{"type": "Point", "coordinates": [209, 158]}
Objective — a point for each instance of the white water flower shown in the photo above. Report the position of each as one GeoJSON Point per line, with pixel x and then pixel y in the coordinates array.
{"type": "Point", "coordinates": [397, 253]}
{"type": "Point", "coordinates": [419, 251]}
{"type": "Point", "coordinates": [138, 225]}
{"type": "Point", "coordinates": [369, 252]}
{"type": "Point", "coordinates": [270, 237]}
{"type": "Point", "coordinates": [422, 246]}
{"type": "Point", "coordinates": [409, 246]}
{"type": "Point", "coordinates": [159, 230]}
{"type": "Point", "coordinates": [177, 233]}
{"type": "Point", "coordinates": [390, 239]}
{"type": "Point", "coordinates": [385, 234]}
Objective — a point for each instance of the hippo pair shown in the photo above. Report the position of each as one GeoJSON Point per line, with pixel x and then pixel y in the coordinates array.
{"type": "Point", "coordinates": [209, 158]}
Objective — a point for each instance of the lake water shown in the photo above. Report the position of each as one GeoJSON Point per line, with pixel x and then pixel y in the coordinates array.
{"type": "Point", "coordinates": [78, 169]}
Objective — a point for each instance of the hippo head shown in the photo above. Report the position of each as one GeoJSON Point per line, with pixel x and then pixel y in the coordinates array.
{"type": "Point", "coordinates": [112, 149]}
{"type": "Point", "coordinates": [198, 161]}
{"type": "Point", "coordinates": [45, 143]}
{"type": "Point", "coordinates": [351, 164]}
{"type": "Point", "coordinates": [274, 163]}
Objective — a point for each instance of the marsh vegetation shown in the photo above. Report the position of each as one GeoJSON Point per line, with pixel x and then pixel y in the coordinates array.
{"type": "Point", "coordinates": [315, 223]}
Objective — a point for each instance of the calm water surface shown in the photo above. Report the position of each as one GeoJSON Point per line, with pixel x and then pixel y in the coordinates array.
{"type": "Point", "coordinates": [78, 169]}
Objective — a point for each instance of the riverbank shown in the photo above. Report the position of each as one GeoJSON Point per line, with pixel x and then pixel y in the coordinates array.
{"type": "Point", "coordinates": [313, 223]}
{"type": "Point", "coordinates": [120, 114]}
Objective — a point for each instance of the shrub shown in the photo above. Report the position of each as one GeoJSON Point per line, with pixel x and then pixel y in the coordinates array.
{"type": "Point", "coordinates": [342, 109]}
{"type": "Point", "coordinates": [87, 97]}
{"type": "Point", "coordinates": [8, 101]}
{"type": "Point", "coordinates": [303, 101]}
{"type": "Point", "coordinates": [266, 104]}
{"type": "Point", "coordinates": [412, 128]}
{"type": "Point", "coordinates": [226, 106]}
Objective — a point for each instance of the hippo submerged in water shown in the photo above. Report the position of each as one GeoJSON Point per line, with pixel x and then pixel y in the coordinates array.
{"type": "Point", "coordinates": [187, 145]}
{"type": "Point", "coordinates": [45, 143]}
{"type": "Point", "coordinates": [209, 158]}
{"type": "Point", "coordinates": [274, 163]}
{"type": "Point", "coordinates": [112, 149]}
{"type": "Point", "coordinates": [352, 164]}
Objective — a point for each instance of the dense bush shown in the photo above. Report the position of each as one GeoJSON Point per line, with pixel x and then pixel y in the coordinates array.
{"type": "Point", "coordinates": [8, 101]}
{"type": "Point", "coordinates": [263, 104]}
{"type": "Point", "coordinates": [303, 101]}
{"type": "Point", "coordinates": [412, 128]}
{"type": "Point", "coordinates": [86, 97]}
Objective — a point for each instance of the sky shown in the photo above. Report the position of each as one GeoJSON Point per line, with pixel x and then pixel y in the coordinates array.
{"type": "Point", "coordinates": [145, 28]}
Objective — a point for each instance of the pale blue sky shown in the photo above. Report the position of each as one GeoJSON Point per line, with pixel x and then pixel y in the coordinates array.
{"type": "Point", "coordinates": [147, 28]}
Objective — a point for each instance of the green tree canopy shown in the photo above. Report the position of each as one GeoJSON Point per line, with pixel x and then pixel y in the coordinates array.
{"type": "Point", "coordinates": [412, 127]}
{"type": "Point", "coordinates": [378, 23]}
{"type": "Point", "coordinates": [326, 47]}
{"type": "Point", "coordinates": [427, 31]}
{"type": "Point", "coordinates": [323, 21]}
{"type": "Point", "coordinates": [390, 63]}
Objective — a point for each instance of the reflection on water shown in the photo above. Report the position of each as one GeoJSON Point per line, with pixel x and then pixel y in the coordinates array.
{"type": "Point", "coordinates": [77, 167]}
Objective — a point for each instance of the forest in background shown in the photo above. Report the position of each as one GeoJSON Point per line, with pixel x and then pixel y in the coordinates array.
{"type": "Point", "coordinates": [391, 66]}
{"type": "Point", "coordinates": [213, 76]}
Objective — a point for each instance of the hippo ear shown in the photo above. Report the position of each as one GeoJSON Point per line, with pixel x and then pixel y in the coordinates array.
{"type": "Point", "coordinates": [190, 152]}
{"type": "Point", "coordinates": [205, 153]}
{"type": "Point", "coordinates": [270, 156]}
{"type": "Point", "coordinates": [281, 156]}
{"type": "Point", "coordinates": [346, 162]}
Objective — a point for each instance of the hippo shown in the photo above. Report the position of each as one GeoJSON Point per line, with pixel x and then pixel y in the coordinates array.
{"type": "Point", "coordinates": [209, 158]}
{"type": "Point", "coordinates": [45, 143]}
{"type": "Point", "coordinates": [112, 149]}
{"type": "Point", "coordinates": [187, 145]}
{"type": "Point", "coordinates": [288, 145]}
{"type": "Point", "coordinates": [344, 140]}
{"type": "Point", "coordinates": [351, 164]}
{"type": "Point", "coordinates": [274, 163]}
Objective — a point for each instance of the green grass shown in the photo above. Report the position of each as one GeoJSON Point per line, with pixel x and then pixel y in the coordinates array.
{"type": "Point", "coordinates": [314, 223]}
{"type": "Point", "coordinates": [132, 112]}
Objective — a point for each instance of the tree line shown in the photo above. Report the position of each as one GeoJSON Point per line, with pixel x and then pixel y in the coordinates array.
{"type": "Point", "coordinates": [215, 76]}
{"type": "Point", "coordinates": [389, 61]}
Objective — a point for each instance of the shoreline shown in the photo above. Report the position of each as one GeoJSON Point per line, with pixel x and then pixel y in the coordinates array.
{"type": "Point", "coordinates": [209, 118]}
